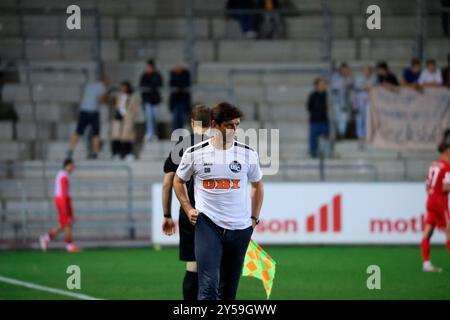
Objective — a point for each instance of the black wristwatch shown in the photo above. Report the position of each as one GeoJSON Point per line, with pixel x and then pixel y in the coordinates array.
{"type": "Point", "coordinates": [256, 219]}
{"type": "Point", "coordinates": [169, 216]}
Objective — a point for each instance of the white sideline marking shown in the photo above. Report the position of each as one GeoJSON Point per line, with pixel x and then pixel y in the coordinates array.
{"type": "Point", "coordinates": [47, 289]}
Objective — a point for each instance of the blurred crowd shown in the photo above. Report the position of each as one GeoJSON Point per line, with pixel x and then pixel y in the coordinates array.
{"type": "Point", "coordinates": [257, 19]}
{"type": "Point", "coordinates": [125, 107]}
{"type": "Point", "coordinates": [349, 100]}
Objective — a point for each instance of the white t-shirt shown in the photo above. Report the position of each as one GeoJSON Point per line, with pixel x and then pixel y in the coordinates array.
{"type": "Point", "coordinates": [221, 181]}
{"type": "Point", "coordinates": [428, 77]}
{"type": "Point", "coordinates": [62, 184]}
{"type": "Point", "coordinates": [92, 90]}
{"type": "Point", "coordinates": [123, 103]}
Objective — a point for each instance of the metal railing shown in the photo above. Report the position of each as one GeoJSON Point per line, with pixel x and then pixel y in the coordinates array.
{"type": "Point", "coordinates": [24, 191]}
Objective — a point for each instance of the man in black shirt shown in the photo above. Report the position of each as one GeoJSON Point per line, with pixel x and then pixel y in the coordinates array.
{"type": "Point", "coordinates": [385, 75]}
{"type": "Point", "coordinates": [200, 122]}
{"type": "Point", "coordinates": [150, 85]}
{"type": "Point", "coordinates": [180, 95]}
{"type": "Point", "coordinates": [318, 115]}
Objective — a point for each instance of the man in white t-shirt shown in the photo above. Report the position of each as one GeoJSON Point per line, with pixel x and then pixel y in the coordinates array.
{"type": "Point", "coordinates": [221, 168]}
{"type": "Point", "coordinates": [431, 76]}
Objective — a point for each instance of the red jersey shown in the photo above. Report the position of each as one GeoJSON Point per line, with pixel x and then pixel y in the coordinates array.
{"type": "Point", "coordinates": [62, 189]}
{"type": "Point", "coordinates": [438, 175]}
{"type": "Point", "coordinates": [63, 201]}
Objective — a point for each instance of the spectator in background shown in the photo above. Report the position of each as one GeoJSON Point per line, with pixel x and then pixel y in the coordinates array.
{"type": "Point", "coordinates": [430, 76]}
{"type": "Point", "coordinates": [150, 85]}
{"type": "Point", "coordinates": [446, 73]}
{"type": "Point", "coordinates": [95, 93]}
{"type": "Point", "coordinates": [411, 75]}
{"type": "Point", "coordinates": [180, 95]}
{"type": "Point", "coordinates": [341, 84]}
{"type": "Point", "coordinates": [445, 16]}
{"type": "Point", "coordinates": [318, 115]}
{"type": "Point", "coordinates": [385, 76]}
{"type": "Point", "coordinates": [269, 22]}
{"type": "Point", "coordinates": [363, 83]}
{"type": "Point", "coordinates": [123, 132]}
{"type": "Point", "coordinates": [246, 20]}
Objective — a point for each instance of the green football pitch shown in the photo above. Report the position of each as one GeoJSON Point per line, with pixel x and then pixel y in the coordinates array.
{"type": "Point", "coordinates": [311, 272]}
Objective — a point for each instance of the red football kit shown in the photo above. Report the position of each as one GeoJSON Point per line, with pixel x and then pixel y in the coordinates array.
{"type": "Point", "coordinates": [63, 201]}
{"type": "Point", "coordinates": [437, 202]}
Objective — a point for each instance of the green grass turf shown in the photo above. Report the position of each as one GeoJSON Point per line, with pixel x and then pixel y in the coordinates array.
{"type": "Point", "coordinates": [328, 272]}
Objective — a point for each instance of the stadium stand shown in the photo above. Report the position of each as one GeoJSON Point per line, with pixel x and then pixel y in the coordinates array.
{"type": "Point", "coordinates": [50, 65]}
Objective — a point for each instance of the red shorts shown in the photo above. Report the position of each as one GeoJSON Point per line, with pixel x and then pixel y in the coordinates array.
{"type": "Point", "coordinates": [65, 211]}
{"type": "Point", "coordinates": [439, 219]}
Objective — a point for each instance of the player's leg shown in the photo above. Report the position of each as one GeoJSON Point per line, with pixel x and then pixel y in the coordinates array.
{"type": "Point", "coordinates": [447, 228]}
{"type": "Point", "coordinates": [187, 253]}
{"type": "Point", "coordinates": [68, 223]}
{"type": "Point", "coordinates": [208, 252]}
{"type": "Point", "coordinates": [44, 239]}
{"type": "Point", "coordinates": [447, 234]}
{"type": "Point", "coordinates": [425, 244]}
{"type": "Point", "coordinates": [425, 248]}
{"type": "Point", "coordinates": [235, 248]}
{"type": "Point", "coordinates": [70, 247]}
{"type": "Point", "coordinates": [190, 281]}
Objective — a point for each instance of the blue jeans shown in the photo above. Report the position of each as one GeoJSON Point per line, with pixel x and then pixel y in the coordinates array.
{"type": "Point", "coordinates": [246, 21]}
{"type": "Point", "coordinates": [339, 105]}
{"type": "Point", "coordinates": [361, 121]}
{"type": "Point", "coordinates": [179, 116]}
{"type": "Point", "coordinates": [316, 129]}
{"type": "Point", "coordinates": [151, 115]}
{"type": "Point", "coordinates": [220, 255]}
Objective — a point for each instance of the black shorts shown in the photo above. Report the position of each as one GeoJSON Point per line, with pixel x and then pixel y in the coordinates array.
{"type": "Point", "coordinates": [88, 119]}
{"type": "Point", "coordinates": [187, 235]}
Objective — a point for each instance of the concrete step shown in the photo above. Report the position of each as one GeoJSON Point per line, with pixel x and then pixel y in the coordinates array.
{"type": "Point", "coordinates": [13, 92]}
{"type": "Point", "coordinates": [397, 27]}
{"type": "Point", "coordinates": [312, 27]}
{"type": "Point", "coordinates": [6, 130]}
{"type": "Point", "coordinates": [164, 51]}
{"type": "Point", "coordinates": [14, 150]}
{"type": "Point", "coordinates": [63, 113]}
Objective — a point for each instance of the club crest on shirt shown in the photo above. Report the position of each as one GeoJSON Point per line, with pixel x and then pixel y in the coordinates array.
{"type": "Point", "coordinates": [235, 166]}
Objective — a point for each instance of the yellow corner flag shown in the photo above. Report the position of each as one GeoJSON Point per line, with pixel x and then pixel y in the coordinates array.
{"type": "Point", "coordinates": [260, 265]}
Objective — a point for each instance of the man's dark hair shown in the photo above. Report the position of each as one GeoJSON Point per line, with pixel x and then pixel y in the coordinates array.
{"type": "Point", "coordinates": [151, 62]}
{"type": "Point", "coordinates": [317, 81]}
{"type": "Point", "coordinates": [128, 86]}
{"type": "Point", "coordinates": [225, 111]}
{"type": "Point", "coordinates": [448, 58]}
{"type": "Point", "coordinates": [445, 143]}
{"type": "Point", "coordinates": [66, 162]}
{"type": "Point", "coordinates": [382, 65]}
{"type": "Point", "coordinates": [415, 62]}
{"type": "Point", "coordinates": [202, 113]}
{"type": "Point", "coordinates": [431, 61]}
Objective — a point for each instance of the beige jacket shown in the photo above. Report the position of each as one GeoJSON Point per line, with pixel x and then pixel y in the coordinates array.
{"type": "Point", "coordinates": [124, 130]}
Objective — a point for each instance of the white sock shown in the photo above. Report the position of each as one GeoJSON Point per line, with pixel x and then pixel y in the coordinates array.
{"type": "Point", "coordinates": [427, 264]}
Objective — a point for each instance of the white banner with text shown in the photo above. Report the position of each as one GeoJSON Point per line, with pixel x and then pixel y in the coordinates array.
{"type": "Point", "coordinates": [329, 213]}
